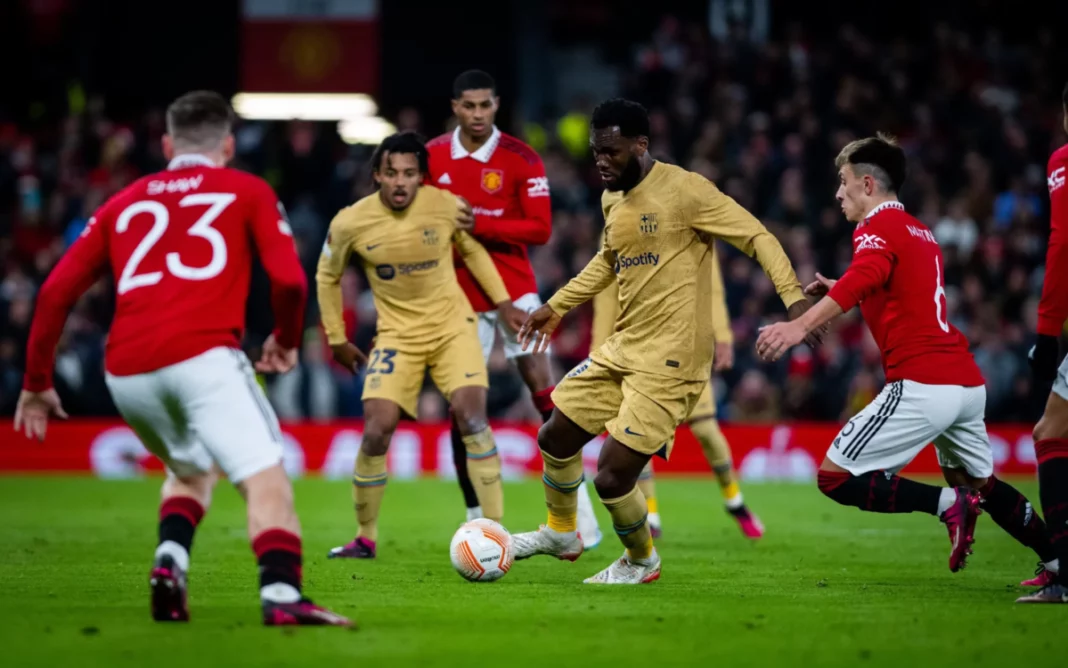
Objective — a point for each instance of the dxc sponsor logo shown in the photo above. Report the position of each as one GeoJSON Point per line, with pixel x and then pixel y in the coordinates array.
{"type": "Point", "coordinates": [1056, 179]}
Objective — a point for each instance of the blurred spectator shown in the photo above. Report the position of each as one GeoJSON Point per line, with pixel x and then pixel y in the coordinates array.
{"type": "Point", "coordinates": [762, 116]}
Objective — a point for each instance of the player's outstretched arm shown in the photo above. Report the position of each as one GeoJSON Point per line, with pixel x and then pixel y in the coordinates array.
{"type": "Point", "coordinates": [594, 278]}
{"type": "Point", "coordinates": [720, 216]}
{"type": "Point", "coordinates": [332, 263]}
{"type": "Point", "coordinates": [590, 282]}
{"type": "Point", "coordinates": [78, 269]}
{"type": "Point", "coordinates": [776, 340]}
{"type": "Point", "coordinates": [870, 270]}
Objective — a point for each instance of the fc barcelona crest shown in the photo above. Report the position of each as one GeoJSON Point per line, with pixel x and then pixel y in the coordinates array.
{"type": "Point", "coordinates": [648, 223]}
{"type": "Point", "coordinates": [492, 180]}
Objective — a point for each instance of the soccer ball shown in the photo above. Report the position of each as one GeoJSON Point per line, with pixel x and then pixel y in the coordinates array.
{"type": "Point", "coordinates": [481, 551]}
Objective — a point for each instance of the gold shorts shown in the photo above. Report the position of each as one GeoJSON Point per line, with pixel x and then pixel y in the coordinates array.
{"type": "Point", "coordinates": [395, 370]}
{"type": "Point", "coordinates": [706, 405]}
{"type": "Point", "coordinates": [640, 410]}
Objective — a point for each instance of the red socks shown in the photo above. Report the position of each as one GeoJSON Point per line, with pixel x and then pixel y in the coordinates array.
{"type": "Point", "coordinates": [543, 401]}
{"type": "Point", "coordinates": [278, 552]}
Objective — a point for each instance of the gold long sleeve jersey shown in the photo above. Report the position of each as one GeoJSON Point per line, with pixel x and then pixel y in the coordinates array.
{"type": "Point", "coordinates": [606, 310]}
{"type": "Point", "coordinates": [656, 247]}
{"type": "Point", "coordinates": [407, 256]}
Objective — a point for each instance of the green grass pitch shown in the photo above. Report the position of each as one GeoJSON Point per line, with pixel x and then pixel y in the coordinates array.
{"type": "Point", "coordinates": [828, 586]}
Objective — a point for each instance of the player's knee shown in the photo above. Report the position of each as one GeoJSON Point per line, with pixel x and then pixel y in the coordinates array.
{"type": "Point", "coordinates": [469, 411]}
{"type": "Point", "coordinates": [610, 484]}
{"type": "Point", "coordinates": [549, 440]}
{"type": "Point", "coordinates": [471, 421]}
{"type": "Point", "coordinates": [376, 437]}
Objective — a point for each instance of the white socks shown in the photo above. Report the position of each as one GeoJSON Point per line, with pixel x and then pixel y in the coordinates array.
{"type": "Point", "coordinates": [279, 592]}
{"type": "Point", "coordinates": [946, 500]}
{"type": "Point", "coordinates": [735, 502]}
{"type": "Point", "coordinates": [474, 513]}
{"type": "Point", "coordinates": [175, 551]}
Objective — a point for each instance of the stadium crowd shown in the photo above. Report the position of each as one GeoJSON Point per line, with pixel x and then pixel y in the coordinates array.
{"type": "Point", "coordinates": [977, 116]}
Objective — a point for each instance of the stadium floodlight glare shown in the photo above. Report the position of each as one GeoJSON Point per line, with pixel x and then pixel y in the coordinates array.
{"type": "Point", "coordinates": [367, 130]}
{"type": "Point", "coordinates": [303, 106]}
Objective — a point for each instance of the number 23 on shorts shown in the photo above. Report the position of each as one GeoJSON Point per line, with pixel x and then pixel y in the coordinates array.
{"type": "Point", "coordinates": [381, 361]}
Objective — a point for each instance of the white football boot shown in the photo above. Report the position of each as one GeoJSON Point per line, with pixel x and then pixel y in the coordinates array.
{"type": "Point", "coordinates": [587, 521]}
{"type": "Point", "coordinates": [562, 545]}
{"type": "Point", "coordinates": [627, 571]}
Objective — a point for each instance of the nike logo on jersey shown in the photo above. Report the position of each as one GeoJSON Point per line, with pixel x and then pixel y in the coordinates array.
{"type": "Point", "coordinates": [371, 247]}
{"type": "Point", "coordinates": [627, 431]}
{"type": "Point", "coordinates": [470, 375]}
{"type": "Point", "coordinates": [445, 180]}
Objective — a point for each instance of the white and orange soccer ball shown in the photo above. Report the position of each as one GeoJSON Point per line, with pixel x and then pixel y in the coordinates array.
{"type": "Point", "coordinates": [481, 551]}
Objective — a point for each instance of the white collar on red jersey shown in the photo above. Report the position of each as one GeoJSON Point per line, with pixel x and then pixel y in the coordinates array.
{"type": "Point", "coordinates": [883, 207]}
{"type": "Point", "coordinates": [190, 160]}
{"type": "Point", "coordinates": [483, 154]}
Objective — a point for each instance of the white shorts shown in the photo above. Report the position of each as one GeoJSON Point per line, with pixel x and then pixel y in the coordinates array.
{"type": "Point", "coordinates": [1060, 383]}
{"type": "Point", "coordinates": [905, 418]}
{"type": "Point", "coordinates": [204, 411]}
{"type": "Point", "coordinates": [488, 328]}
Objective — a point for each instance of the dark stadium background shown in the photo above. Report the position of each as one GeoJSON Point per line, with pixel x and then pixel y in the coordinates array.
{"type": "Point", "coordinates": [133, 57]}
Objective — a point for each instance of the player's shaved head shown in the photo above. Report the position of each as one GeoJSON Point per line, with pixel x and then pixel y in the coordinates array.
{"type": "Point", "coordinates": [199, 120]}
{"type": "Point", "coordinates": [879, 157]}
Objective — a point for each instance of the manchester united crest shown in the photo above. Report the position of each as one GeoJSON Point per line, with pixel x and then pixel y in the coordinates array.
{"type": "Point", "coordinates": [492, 180]}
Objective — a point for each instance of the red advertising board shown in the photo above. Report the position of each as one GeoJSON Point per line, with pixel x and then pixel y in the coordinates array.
{"type": "Point", "coordinates": [774, 452]}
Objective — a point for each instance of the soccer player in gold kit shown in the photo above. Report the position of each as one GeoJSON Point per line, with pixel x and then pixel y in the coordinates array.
{"type": "Point", "coordinates": [660, 222]}
{"type": "Point", "coordinates": [404, 236]}
{"type": "Point", "coordinates": [702, 420]}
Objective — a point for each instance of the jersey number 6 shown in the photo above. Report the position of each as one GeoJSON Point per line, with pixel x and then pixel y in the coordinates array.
{"type": "Point", "coordinates": [217, 203]}
{"type": "Point", "coordinates": [940, 299]}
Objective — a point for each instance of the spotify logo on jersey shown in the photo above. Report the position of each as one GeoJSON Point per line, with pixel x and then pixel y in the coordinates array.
{"type": "Point", "coordinates": [645, 259]}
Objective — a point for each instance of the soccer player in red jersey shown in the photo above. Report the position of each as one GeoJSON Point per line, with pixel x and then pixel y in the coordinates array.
{"type": "Point", "coordinates": [504, 181]}
{"type": "Point", "coordinates": [934, 392]}
{"type": "Point", "coordinates": [1051, 432]}
{"type": "Point", "coordinates": [180, 245]}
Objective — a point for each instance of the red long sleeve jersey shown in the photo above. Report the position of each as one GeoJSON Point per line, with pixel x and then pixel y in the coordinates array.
{"type": "Point", "coordinates": [179, 244]}
{"type": "Point", "coordinates": [1053, 307]}
{"type": "Point", "coordinates": [897, 278]}
{"type": "Point", "coordinates": [505, 183]}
